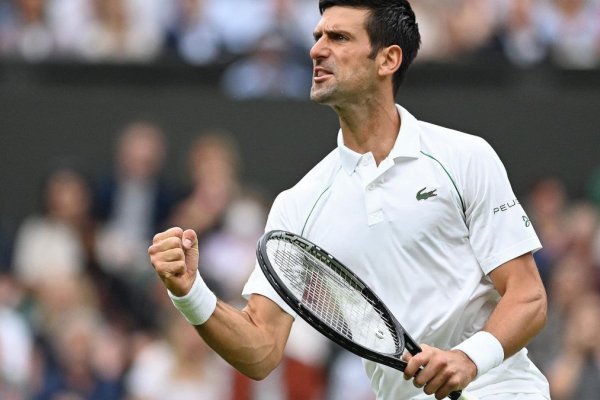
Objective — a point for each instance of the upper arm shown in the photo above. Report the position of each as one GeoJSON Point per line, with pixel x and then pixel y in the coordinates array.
{"type": "Point", "coordinates": [521, 312]}
{"type": "Point", "coordinates": [519, 277]}
{"type": "Point", "coordinates": [266, 314]}
{"type": "Point", "coordinates": [252, 340]}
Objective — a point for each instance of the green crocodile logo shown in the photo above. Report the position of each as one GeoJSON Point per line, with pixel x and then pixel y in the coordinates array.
{"type": "Point", "coordinates": [426, 195]}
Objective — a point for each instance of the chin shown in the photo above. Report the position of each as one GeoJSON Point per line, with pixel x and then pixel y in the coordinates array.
{"type": "Point", "coordinates": [321, 97]}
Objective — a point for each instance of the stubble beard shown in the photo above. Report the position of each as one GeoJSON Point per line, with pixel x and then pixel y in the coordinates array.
{"type": "Point", "coordinates": [322, 95]}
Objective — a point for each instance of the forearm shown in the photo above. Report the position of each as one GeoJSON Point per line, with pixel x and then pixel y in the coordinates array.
{"type": "Point", "coordinates": [243, 339]}
{"type": "Point", "coordinates": [521, 313]}
{"type": "Point", "coordinates": [251, 340]}
{"type": "Point", "coordinates": [517, 318]}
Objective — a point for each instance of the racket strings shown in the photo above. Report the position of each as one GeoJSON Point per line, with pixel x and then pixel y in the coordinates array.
{"type": "Point", "coordinates": [332, 296]}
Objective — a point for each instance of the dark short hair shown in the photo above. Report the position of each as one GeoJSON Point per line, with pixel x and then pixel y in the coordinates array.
{"type": "Point", "coordinates": [391, 22]}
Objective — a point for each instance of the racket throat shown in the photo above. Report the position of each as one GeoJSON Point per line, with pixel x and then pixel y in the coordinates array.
{"type": "Point", "coordinates": [410, 344]}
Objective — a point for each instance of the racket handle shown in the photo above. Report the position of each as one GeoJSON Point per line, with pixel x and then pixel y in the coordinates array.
{"type": "Point", "coordinates": [461, 396]}
{"type": "Point", "coordinates": [456, 395]}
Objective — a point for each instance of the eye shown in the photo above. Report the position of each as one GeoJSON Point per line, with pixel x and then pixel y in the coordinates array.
{"type": "Point", "coordinates": [339, 37]}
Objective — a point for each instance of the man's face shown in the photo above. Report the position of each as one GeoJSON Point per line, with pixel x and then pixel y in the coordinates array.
{"type": "Point", "coordinates": [343, 71]}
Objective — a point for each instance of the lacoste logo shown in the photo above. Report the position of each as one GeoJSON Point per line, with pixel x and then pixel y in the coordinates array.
{"type": "Point", "coordinates": [426, 195]}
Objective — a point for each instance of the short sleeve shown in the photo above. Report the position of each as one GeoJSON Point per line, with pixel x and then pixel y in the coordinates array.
{"type": "Point", "coordinates": [499, 228]}
{"type": "Point", "coordinates": [257, 283]}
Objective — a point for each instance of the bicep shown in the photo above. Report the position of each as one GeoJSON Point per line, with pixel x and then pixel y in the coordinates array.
{"type": "Point", "coordinates": [252, 339]}
{"type": "Point", "coordinates": [521, 312]}
{"type": "Point", "coordinates": [518, 276]}
{"type": "Point", "coordinates": [266, 314]}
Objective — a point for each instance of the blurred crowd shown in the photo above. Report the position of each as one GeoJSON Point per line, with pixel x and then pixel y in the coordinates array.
{"type": "Point", "coordinates": [83, 316]}
{"type": "Point", "coordinates": [269, 39]}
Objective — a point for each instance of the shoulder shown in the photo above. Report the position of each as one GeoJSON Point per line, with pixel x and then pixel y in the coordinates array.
{"type": "Point", "coordinates": [323, 172]}
{"type": "Point", "coordinates": [36, 223]}
{"type": "Point", "coordinates": [459, 152]}
{"type": "Point", "coordinates": [291, 206]}
{"type": "Point", "coordinates": [451, 142]}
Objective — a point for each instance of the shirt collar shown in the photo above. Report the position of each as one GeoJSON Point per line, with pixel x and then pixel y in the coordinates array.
{"type": "Point", "coordinates": [407, 145]}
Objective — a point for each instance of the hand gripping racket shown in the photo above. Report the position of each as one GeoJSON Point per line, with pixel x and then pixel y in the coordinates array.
{"type": "Point", "coordinates": [334, 301]}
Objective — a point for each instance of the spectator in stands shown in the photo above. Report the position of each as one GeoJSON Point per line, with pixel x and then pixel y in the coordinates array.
{"type": "Point", "coordinates": [275, 66]}
{"type": "Point", "coordinates": [347, 378]}
{"type": "Point", "coordinates": [70, 369]}
{"type": "Point", "coordinates": [203, 32]}
{"type": "Point", "coordinates": [228, 253]}
{"type": "Point", "coordinates": [8, 22]}
{"type": "Point", "coordinates": [213, 165]}
{"type": "Point", "coordinates": [118, 32]}
{"type": "Point", "coordinates": [453, 28]}
{"type": "Point", "coordinates": [523, 37]}
{"type": "Point", "coordinates": [177, 366]}
{"type": "Point", "coordinates": [302, 16]}
{"type": "Point", "coordinates": [582, 229]}
{"type": "Point", "coordinates": [25, 32]}
{"type": "Point", "coordinates": [306, 359]}
{"type": "Point", "coordinates": [16, 343]}
{"type": "Point", "coordinates": [240, 34]}
{"type": "Point", "coordinates": [134, 198]}
{"type": "Point", "coordinates": [546, 205]}
{"type": "Point", "coordinates": [193, 33]}
{"type": "Point", "coordinates": [470, 25]}
{"type": "Point", "coordinates": [431, 17]}
{"type": "Point", "coordinates": [576, 372]}
{"type": "Point", "coordinates": [270, 71]}
{"type": "Point", "coordinates": [567, 283]}
{"type": "Point", "coordinates": [56, 242]}
{"type": "Point", "coordinates": [574, 30]}
{"type": "Point", "coordinates": [132, 201]}
{"type": "Point", "coordinates": [70, 20]}
{"type": "Point", "coordinates": [289, 24]}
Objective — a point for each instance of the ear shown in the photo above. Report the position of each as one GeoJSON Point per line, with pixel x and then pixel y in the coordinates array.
{"type": "Point", "coordinates": [390, 60]}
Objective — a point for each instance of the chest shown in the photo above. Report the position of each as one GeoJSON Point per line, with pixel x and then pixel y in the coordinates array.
{"type": "Point", "coordinates": [418, 199]}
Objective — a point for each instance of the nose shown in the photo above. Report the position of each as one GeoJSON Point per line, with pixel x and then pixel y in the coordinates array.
{"type": "Point", "coordinates": [319, 49]}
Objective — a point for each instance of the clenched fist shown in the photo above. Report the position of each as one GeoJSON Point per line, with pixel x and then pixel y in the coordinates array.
{"type": "Point", "coordinates": [174, 256]}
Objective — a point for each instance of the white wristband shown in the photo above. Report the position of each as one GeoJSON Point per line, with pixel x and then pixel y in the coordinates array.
{"type": "Point", "coordinates": [198, 305]}
{"type": "Point", "coordinates": [484, 350]}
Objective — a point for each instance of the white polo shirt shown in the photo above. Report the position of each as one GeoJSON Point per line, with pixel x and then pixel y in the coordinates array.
{"type": "Point", "coordinates": [423, 230]}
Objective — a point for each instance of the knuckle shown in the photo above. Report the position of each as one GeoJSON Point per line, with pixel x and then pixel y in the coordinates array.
{"type": "Point", "coordinates": [419, 382]}
{"type": "Point", "coordinates": [454, 382]}
{"type": "Point", "coordinates": [175, 256]}
{"type": "Point", "coordinates": [440, 359]}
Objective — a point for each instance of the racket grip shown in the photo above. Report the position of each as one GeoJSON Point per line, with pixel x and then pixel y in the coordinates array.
{"type": "Point", "coordinates": [462, 396]}
{"type": "Point", "coordinates": [457, 395]}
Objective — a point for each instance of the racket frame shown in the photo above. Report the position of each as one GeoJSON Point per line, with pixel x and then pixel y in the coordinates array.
{"type": "Point", "coordinates": [405, 341]}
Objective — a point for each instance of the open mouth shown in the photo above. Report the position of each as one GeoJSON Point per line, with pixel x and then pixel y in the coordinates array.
{"type": "Point", "coordinates": [320, 74]}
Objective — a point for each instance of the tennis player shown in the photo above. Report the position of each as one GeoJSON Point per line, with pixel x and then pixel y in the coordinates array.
{"type": "Point", "coordinates": [424, 214]}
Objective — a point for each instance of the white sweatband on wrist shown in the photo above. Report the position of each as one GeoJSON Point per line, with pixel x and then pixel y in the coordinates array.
{"type": "Point", "coordinates": [198, 305]}
{"type": "Point", "coordinates": [484, 350]}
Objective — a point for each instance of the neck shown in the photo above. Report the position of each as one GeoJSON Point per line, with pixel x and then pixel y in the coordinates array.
{"type": "Point", "coordinates": [370, 127]}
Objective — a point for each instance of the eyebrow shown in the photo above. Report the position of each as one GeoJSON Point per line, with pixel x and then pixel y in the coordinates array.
{"type": "Point", "coordinates": [329, 32]}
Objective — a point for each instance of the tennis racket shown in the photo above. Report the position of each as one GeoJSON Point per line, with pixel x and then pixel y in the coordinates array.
{"type": "Point", "coordinates": [334, 301]}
